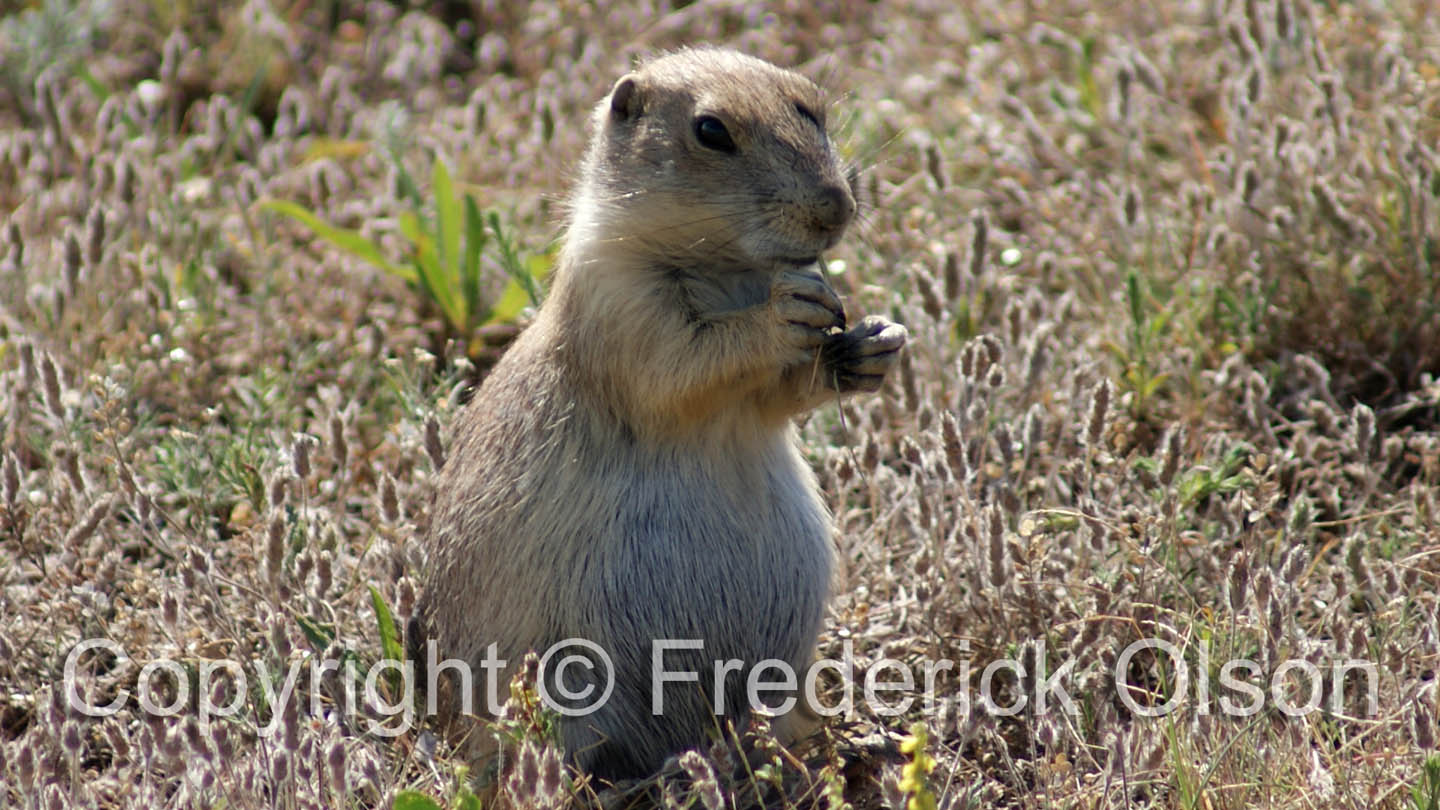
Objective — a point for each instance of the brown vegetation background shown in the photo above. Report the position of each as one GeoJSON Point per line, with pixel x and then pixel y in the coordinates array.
{"type": "Point", "coordinates": [1171, 272]}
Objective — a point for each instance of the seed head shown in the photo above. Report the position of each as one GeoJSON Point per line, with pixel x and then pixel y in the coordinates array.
{"type": "Point", "coordinates": [1034, 427]}
{"type": "Point", "coordinates": [1422, 725]}
{"type": "Point", "coordinates": [1117, 747]}
{"type": "Point", "coordinates": [170, 744]}
{"type": "Point", "coordinates": [10, 488]}
{"type": "Point", "coordinates": [280, 639]}
{"type": "Point", "coordinates": [124, 180]}
{"type": "Point", "coordinates": [197, 561]}
{"type": "Point", "coordinates": [1124, 79]}
{"type": "Point", "coordinates": [337, 442]}
{"type": "Point", "coordinates": [70, 461]}
{"type": "Point", "coordinates": [908, 383]}
{"type": "Point", "coordinates": [50, 376]}
{"type": "Point", "coordinates": [405, 600]}
{"type": "Point", "coordinates": [935, 165]}
{"type": "Point", "coordinates": [1173, 445]}
{"type": "Point", "coordinates": [27, 367]}
{"type": "Point", "coordinates": [1099, 412]}
{"type": "Point", "coordinates": [14, 245]}
{"type": "Point", "coordinates": [389, 500]}
{"type": "Point", "coordinates": [999, 571]}
{"type": "Point", "coordinates": [525, 778]}
{"type": "Point", "coordinates": [94, 235]}
{"type": "Point", "coordinates": [335, 768]}
{"type": "Point", "coordinates": [1284, 19]}
{"type": "Point", "coordinates": [977, 244]}
{"type": "Point", "coordinates": [552, 775]}
{"type": "Point", "coordinates": [304, 564]}
{"type": "Point", "coordinates": [952, 276]}
{"type": "Point", "coordinates": [199, 743]}
{"type": "Point", "coordinates": [73, 263]}
{"type": "Point", "coordinates": [870, 456]}
{"type": "Point", "coordinates": [1154, 754]}
{"type": "Point", "coordinates": [279, 485]}
{"type": "Point", "coordinates": [25, 765]}
{"type": "Point", "coordinates": [1238, 581]}
{"type": "Point", "coordinates": [1242, 41]}
{"type": "Point", "coordinates": [1001, 435]}
{"type": "Point", "coordinates": [1295, 563]}
{"type": "Point", "coordinates": [954, 443]}
{"type": "Point", "coordinates": [92, 520]}
{"type": "Point", "coordinates": [279, 768]}
{"type": "Point", "coordinates": [433, 447]}
{"type": "Point", "coordinates": [300, 452]}
{"type": "Point", "coordinates": [1365, 435]}
{"type": "Point", "coordinates": [170, 610]}
{"type": "Point", "coordinates": [996, 378]}
{"type": "Point", "coordinates": [275, 547]}
{"type": "Point", "coordinates": [323, 574]}
{"type": "Point", "coordinates": [702, 779]}
{"type": "Point", "coordinates": [70, 740]}
{"type": "Point", "coordinates": [1264, 588]}
{"type": "Point", "coordinates": [929, 295]}
{"type": "Point", "coordinates": [290, 719]}
{"type": "Point", "coordinates": [1254, 85]}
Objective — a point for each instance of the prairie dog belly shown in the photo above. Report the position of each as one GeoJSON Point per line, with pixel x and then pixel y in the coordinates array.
{"type": "Point", "coordinates": [692, 575]}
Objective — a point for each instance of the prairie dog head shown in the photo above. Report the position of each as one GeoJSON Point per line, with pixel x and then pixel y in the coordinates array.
{"type": "Point", "coordinates": [711, 157]}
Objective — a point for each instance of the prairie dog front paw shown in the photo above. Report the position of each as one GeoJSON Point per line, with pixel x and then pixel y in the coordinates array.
{"type": "Point", "coordinates": [859, 358]}
{"type": "Point", "coordinates": [808, 309]}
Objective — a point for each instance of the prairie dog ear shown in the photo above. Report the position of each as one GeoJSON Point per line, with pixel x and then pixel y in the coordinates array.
{"type": "Point", "coordinates": [625, 98]}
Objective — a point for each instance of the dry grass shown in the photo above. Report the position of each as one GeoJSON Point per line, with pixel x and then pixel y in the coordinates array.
{"type": "Point", "coordinates": [1171, 273]}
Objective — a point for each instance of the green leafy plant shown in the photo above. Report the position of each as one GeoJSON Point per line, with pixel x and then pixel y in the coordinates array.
{"type": "Point", "coordinates": [1138, 356]}
{"type": "Point", "coordinates": [1231, 476]}
{"type": "Point", "coordinates": [415, 800]}
{"type": "Point", "coordinates": [463, 797]}
{"type": "Point", "coordinates": [447, 239]}
{"type": "Point", "coordinates": [1425, 795]}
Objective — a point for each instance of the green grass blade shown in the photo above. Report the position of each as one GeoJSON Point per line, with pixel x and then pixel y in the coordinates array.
{"type": "Point", "coordinates": [348, 240]}
{"type": "Point", "coordinates": [511, 303]}
{"type": "Point", "coordinates": [319, 635]}
{"type": "Point", "coordinates": [1132, 296]}
{"type": "Point", "coordinates": [385, 621]}
{"type": "Point", "coordinates": [447, 218]}
{"type": "Point", "coordinates": [510, 259]}
{"type": "Point", "coordinates": [429, 273]}
{"type": "Point", "coordinates": [538, 268]}
{"type": "Point", "coordinates": [475, 239]}
{"type": "Point", "coordinates": [412, 228]}
{"type": "Point", "coordinates": [523, 289]}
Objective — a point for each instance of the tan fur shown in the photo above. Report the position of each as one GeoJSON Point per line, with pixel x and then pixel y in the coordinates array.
{"type": "Point", "coordinates": [629, 471]}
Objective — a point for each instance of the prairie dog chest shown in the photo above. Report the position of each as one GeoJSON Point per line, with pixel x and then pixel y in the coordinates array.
{"type": "Point", "coordinates": [695, 540]}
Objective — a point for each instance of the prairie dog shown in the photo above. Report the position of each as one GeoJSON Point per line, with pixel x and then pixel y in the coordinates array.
{"type": "Point", "coordinates": [628, 472]}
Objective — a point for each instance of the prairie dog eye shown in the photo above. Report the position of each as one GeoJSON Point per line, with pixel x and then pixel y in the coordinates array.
{"type": "Point", "coordinates": [711, 134]}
